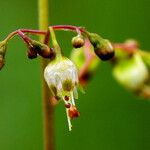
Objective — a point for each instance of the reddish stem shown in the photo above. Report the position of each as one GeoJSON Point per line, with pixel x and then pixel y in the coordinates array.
{"type": "Point", "coordinates": [47, 37]}
{"type": "Point", "coordinates": [89, 57]}
{"type": "Point", "coordinates": [132, 47]}
{"type": "Point", "coordinates": [55, 27]}
{"type": "Point", "coordinates": [68, 27]}
{"type": "Point", "coordinates": [24, 37]}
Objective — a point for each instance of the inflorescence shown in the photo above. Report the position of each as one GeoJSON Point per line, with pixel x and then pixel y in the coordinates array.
{"type": "Point", "coordinates": [61, 74]}
{"type": "Point", "coordinates": [65, 76]}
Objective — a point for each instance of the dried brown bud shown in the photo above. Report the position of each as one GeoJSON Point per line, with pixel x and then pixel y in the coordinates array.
{"type": "Point", "coordinates": [43, 49]}
{"type": "Point", "coordinates": [78, 41]}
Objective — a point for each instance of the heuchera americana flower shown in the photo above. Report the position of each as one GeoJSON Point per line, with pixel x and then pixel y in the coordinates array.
{"type": "Point", "coordinates": [131, 68]}
{"type": "Point", "coordinates": [62, 78]}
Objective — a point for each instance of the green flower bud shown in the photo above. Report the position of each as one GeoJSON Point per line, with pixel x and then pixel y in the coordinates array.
{"type": "Point", "coordinates": [1, 62]}
{"type": "Point", "coordinates": [78, 41]}
{"type": "Point", "coordinates": [102, 47]}
{"type": "Point", "coordinates": [3, 48]}
{"type": "Point", "coordinates": [131, 73]}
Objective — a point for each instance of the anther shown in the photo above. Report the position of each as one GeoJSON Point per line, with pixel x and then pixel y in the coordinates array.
{"type": "Point", "coordinates": [68, 105]}
{"type": "Point", "coordinates": [66, 98]}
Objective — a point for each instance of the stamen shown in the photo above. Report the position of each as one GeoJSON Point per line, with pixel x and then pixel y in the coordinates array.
{"type": "Point", "coordinates": [67, 105]}
{"type": "Point", "coordinates": [73, 112]}
{"type": "Point", "coordinates": [69, 122]}
{"type": "Point", "coordinates": [72, 99]}
{"type": "Point", "coordinates": [66, 98]}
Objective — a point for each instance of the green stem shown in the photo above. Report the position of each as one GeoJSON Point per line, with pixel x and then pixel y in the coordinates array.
{"type": "Point", "coordinates": [48, 110]}
{"type": "Point", "coordinates": [54, 42]}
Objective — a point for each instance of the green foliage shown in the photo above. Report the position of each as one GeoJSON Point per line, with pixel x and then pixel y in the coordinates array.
{"type": "Point", "coordinates": [112, 119]}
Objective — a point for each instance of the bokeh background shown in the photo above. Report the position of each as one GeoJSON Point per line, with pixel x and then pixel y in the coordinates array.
{"type": "Point", "coordinates": [111, 117]}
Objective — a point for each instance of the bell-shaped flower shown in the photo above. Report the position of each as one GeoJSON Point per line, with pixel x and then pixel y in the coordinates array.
{"type": "Point", "coordinates": [131, 67]}
{"type": "Point", "coordinates": [131, 73]}
{"type": "Point", "coordinates": [61, 76]}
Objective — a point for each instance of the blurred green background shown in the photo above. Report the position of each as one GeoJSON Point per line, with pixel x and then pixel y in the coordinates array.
{"type": "Point", "coordinates": [111, 117]}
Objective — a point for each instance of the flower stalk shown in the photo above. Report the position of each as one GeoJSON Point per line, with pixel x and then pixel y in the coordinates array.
{"type": "Point", "coordinates": [48, 110]}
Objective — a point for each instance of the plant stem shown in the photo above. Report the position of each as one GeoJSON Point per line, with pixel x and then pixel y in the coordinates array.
{"type": "Point", "coordinates": [55, 43]}
{"type": "Point", "coordinates": [24, 37]}
{"type": "Point", "coordinates": [12, 34]}
{"type": "Point", "coordinates": [44, 32]}
{"type": "Point", "coordinates": [48, 110]}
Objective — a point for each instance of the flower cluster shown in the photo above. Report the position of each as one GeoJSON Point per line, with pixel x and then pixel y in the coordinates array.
{"type": "Point", "coordinates": [131, 67]}
{"type": "Point", "coordinates": [65, 76]}
{"type": "Point", "coordinates": [62, 75]}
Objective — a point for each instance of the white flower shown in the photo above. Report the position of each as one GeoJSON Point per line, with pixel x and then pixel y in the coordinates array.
{"type": "Point", "coordinates": [61, 76]}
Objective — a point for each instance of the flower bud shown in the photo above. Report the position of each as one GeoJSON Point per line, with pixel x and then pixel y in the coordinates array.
{"type": "Point", "coordinates": [31, 54]}
{"type": "Point", "coordinates": [78, 41]}
{"type": "Point", "coordinates": [41, 49]}
{"type": "Point", "coordinates": [2, 53]}
{"type": "Point", "coordinates": [102, 47]}
{"type": "Point", "coordinates": [1, 62]}
{"type": "Point", "coordinates": [106, 51]}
